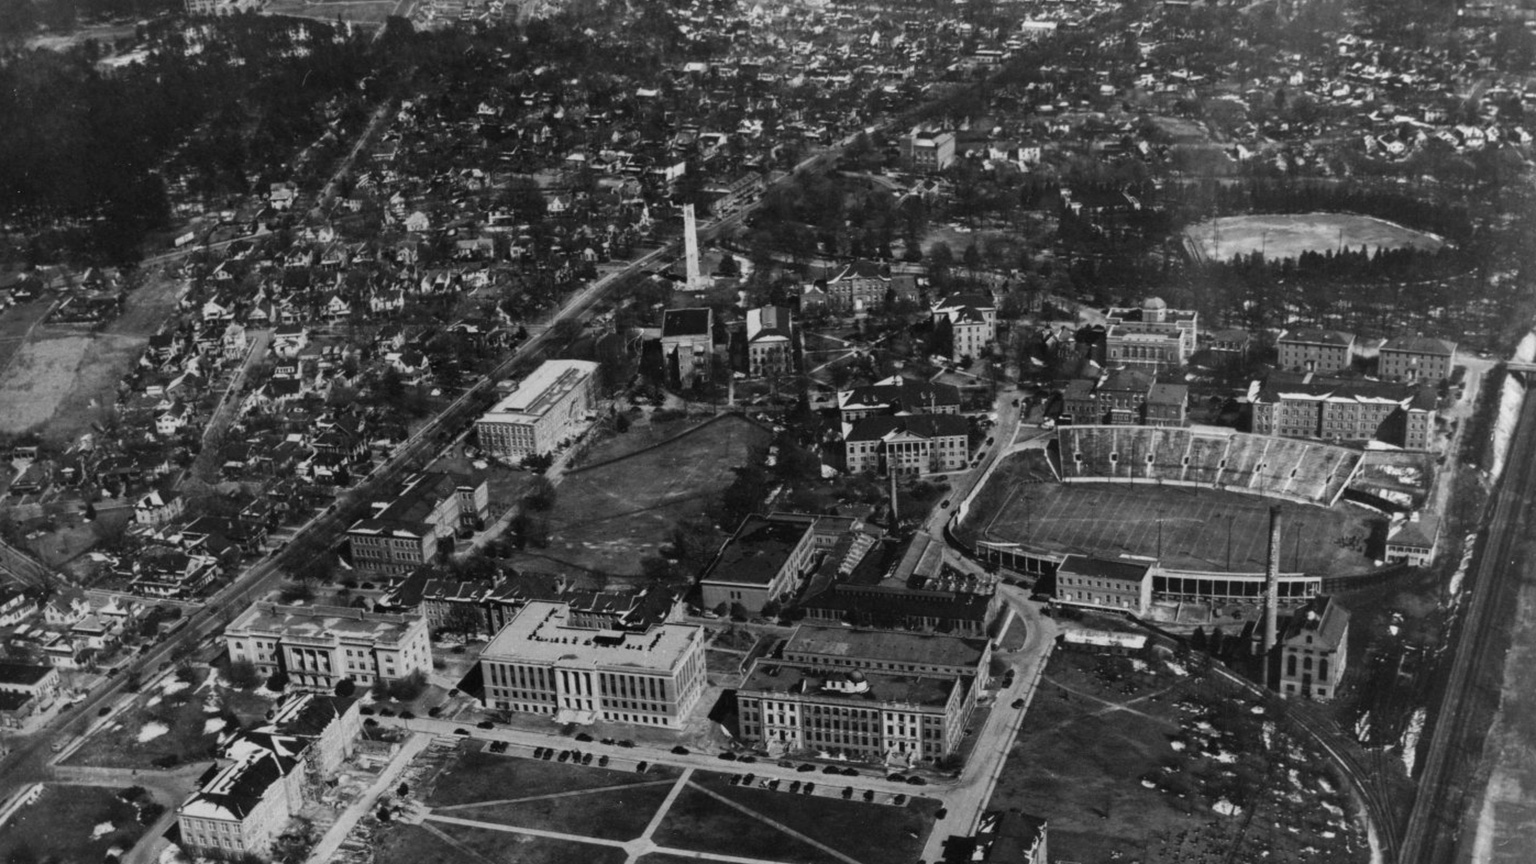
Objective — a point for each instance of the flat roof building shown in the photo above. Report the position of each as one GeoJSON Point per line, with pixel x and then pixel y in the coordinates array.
{"type": "Point", "coordinates": [762, 562]}
{"type": "Point", "coordinates": [318, 646]}
{"type": "Point", "coordinates": [1103, 583]}
{"type": "Point", "coordinates": [542, 663]}
{"type": "Point", "coordinates": [546, 407]}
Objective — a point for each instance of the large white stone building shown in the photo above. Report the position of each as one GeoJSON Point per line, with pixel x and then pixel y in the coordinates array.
{"type": "Point", "coordinates": [542, 663]}
{"type": "Point", "coordinates": [547, 406]}
{"type": "Point", "coordinates": [320, 645]}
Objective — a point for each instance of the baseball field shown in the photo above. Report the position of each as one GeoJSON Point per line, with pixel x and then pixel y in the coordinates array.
{"type": "Point", "coordinates": [1287, 235]}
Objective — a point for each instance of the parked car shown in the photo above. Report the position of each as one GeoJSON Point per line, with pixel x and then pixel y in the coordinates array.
{"type": "Point", "coordinates": [583, 737]}
{"type": "Point", "coordinates": [626, 743]}
{"type": "Point", "coordinates": [486, 724]}
{"type": "Point", "coordinates": [1017, 703]}
{"type": "Point", "coordinates": [680, 750]}
{"type": "Point", "coordinates": [728, 756]}
{"type": "Point", "coordinates": [915, 780]}
{"type": "Point", "coordinates": [806, 767]}
{"type": "Point", "coordinates": [461, 731]}
{"type": "Point", "coordinates": [640, 768]}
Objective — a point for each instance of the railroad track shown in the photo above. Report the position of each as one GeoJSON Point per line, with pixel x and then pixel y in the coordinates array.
{"type": "Point", "coordinates": [1434, 825]}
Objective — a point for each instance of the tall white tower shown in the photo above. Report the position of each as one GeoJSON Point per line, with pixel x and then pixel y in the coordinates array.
{"type": "Point", "coordinates": [691, 249]}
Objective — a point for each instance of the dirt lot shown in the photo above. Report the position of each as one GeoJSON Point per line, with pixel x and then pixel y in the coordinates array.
{"type": "Point", "coordinates": [1142, 759]}
{"type": "Point", "coordinates": [609, 516]}
{"type": "Point", "coordinates": [64, 376]}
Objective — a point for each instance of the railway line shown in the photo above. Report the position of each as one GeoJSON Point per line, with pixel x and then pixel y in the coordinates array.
{"type": "Point", "coordinates": [1433, 829]}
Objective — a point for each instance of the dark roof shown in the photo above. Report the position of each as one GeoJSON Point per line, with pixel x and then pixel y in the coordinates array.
{"type": "Point", "coordinates": [849, 644]}
{"type": "Point", "coordinates": [1168, 394]}
{"type": "Point", "coordinates": [1322, 618]}
{"type": "Point", "coordinates": [757, 551]}
{"type": "Point", "coordinates": [882, 607]}
{"type": "Point", "coordinates": [22, 673]}
{"type": "Point", "coordinates": [1419, 533]}
{"type": "Point", "coordinates": [922, 425]}
{"type": "Point", "coordinates": [318, 713]}
{"type": "Point", "coordinates": [1103, 568]}
{"type": "Point", "coordinates": [931, 690]}
{"type": "Point", "coordinates": [1319, 386]}
{"type": "Point", "coordinates": [11, 701]}
{"type": "Point", "coordinates": [1420, 345]}
{"type": "Point", "coordinates": [909, 394]}
{"type": "Point", "coordinates": [685, 322]}
{"type": "Point", "coordinates": [1337, 338]}
{"type": "Point", "coordinates": [1013, 837]}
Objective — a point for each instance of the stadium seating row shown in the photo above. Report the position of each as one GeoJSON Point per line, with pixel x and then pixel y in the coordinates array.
{"type": "Point", "coordinates": [1296, 470]}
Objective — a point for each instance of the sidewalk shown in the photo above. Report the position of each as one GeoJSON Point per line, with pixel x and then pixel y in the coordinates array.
{"type": "Point", "coordinates": [325, 850]}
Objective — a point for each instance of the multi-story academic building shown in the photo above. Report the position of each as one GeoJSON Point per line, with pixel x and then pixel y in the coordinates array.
{"type": "Point", "coordinates": [1343, 409]}
{"type": "Point", "coordinates": [546, 407]}
{"type": "Point", "coordinates": [542, 663]}
{"type": "Point", "coordinates": [1416, 358]}
{"type": "Point", "coordinates": [867, 695]}
{"type": "Point", "coordinates": [320, 645]}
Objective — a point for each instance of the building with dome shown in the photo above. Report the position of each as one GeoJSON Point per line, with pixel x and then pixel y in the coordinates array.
{"type": "Point", "coordinates": [1150, 336]}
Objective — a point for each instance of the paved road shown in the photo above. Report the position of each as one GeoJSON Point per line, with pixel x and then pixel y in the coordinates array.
{"type": "Point", "coordinates": [1455, 750]}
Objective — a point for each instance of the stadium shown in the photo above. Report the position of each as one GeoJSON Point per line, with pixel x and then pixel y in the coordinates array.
{"type": "Point", "coordinates": [1196, 501]}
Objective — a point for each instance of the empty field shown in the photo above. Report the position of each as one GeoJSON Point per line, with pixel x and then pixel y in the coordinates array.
{"type": "Point", "coordinates": [1288, 235]}
{"type": "Point", "coordinates": [608, 517]}
{"type": "Point", "coordinates": [65, 376]}
{"type": "Point", "coordinates": [1186, 528]}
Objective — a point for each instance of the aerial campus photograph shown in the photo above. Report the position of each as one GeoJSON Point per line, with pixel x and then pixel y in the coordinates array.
{"type": "Point", "coordinates": [767, 431]}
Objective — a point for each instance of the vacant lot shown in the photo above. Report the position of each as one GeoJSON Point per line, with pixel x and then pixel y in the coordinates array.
{"type": "Point", "coordinates": [1288, 235]}
{"type": "Point", "coordinates": [608, 517]}
{"type": "Point", "coordinates": [70, 823]}
{"type": "Point", "coordinates": [1138, 759]}
{"type": "Point", "coordinates": [1183, 527]}
{"type": "Point", "coordinates": [14, 324]}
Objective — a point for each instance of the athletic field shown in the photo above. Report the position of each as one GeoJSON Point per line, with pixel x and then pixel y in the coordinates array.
{"type": "Point", "coordinates": [1191, 525]}
{"type": "Point", "coordinates": [1287, 235]}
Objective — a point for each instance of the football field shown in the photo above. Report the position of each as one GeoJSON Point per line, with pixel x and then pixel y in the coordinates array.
{"type": "Point", "coordinates": [1184, 527]}
{"type": "Point", "coordinates": [1287, 235]}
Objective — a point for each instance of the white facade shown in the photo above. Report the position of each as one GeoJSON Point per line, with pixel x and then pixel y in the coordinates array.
{"type": "Point", "coordinates": [546, 407]}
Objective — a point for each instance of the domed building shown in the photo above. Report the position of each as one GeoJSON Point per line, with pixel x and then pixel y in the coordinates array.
{"type": "Point", "coordinates": [1150, 336]}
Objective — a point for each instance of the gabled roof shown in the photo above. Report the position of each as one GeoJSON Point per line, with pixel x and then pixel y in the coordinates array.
{"type": "Point", "coordinates": [1420, 345]}
{"type": "Point", "coordinates": [1323, 619]}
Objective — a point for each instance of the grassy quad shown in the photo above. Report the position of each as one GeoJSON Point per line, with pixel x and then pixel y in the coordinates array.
{"type": "Point", "coordinates": [69, 823]}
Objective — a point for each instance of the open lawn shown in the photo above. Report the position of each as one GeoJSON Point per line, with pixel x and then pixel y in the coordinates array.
{"type": "Point", "coordinates": [870, 833]}
{"type": "Point", "coordinates": [1129, 759]}
{"type": "Point", "coordinates": [63, 824]}
{"type": "Point", "coordinates": [481, 776]}
{"type": "Point", "coordinates": [431, 843]}
{"type": "Point", "coordinates": [609, 517]}
{"type": "Point", "coordinates": [1288, 235]}
{"type": "Point", "coordinates": [1184, 527]}
{"type": "Point", "coordinates": [63, 377]}
{"type": "Point", "coordinates": [617, 814]}
{"type": "Point", "coordinates": [698, 821]}
{"type": "Point", "coordinates": [14, 324]}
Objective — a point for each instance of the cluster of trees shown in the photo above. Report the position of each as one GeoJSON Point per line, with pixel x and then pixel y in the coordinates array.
{"type": "Point", "coordinates": [83, 149]}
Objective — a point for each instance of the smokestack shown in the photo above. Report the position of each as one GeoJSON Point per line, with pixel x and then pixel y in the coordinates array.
{"type": "Point", "coordinates": [1272, 583]}
{"type": "Point", "coordinates": [895, 511]}
{"type": "Point", "coordinates": [691, 247]}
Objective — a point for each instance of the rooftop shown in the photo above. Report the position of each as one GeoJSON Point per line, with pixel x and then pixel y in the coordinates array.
{"type": "Point", "coordinates": [857, 687]}
{"type": "Point", "coordinates": [757, 551]}
{"type": "Point", "coordinates": [1103, 568]}
{"type": "Point", "coordinates": [685, 322]}
{"type": "Point", "coordinates": [920, 425]}
{"type": "Point", "coordinates": [1420, 345]}
{"type": "Point", "coordinates": [22, 674]}
{"type": "Point", "coordinates": [541, 633]}
{"type": "Point", "coordinates": [1320, 337]}
{"type": "Point", "coordinates": [545, 386]}
{"type": "Point", "coordinates": [1322, 618]}
{"type": "Point", "coordinates": [321, 622]}
{"type": "Point", "coordinates": [810, 641]}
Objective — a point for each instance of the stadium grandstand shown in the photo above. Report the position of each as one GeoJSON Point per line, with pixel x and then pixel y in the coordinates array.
{"type": "Point", "coordinates": [1306, 472]}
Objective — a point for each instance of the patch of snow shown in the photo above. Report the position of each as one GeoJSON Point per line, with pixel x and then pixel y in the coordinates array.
{"type": "Point", "coordinates": [1334, 809]}
{"type": "Point", "coordinates": [1328, 835]}
{"type": "Point", "coordinates": [1224, 757]}
{"type": "Point", "coordinates": [1226, 808]}
{"type": "Point", "coordinates": [1393, 629]}
{"type": "Point", "coordinates": [1257, 709]}
{"type": "Point", "coordinates": [102, 830]}
{"type": "Point", "coordinates": [1139, 664]}
{"type": "Point", "coordinates": [1509, 408]}
{"type": "Point", "coordinates": [1327, 785]}
{"type": "Point", "coordinates": [173, 685]}
{"type": "Point", "coordinates": [1177, 745]}
{"type": "Point", "coordinates": [1149, 784]}
{"type": "Point", "coordinates": [1363, 727]}
{"type": "Point", "coordinates": [153, 701]}
{"type": "Point", "coordinates": [171, 854]}
{"type": "Point", "coordinates": [150, 731]}
{"type": "Point", "coordinates": [1177, 668]}
{"type": "Point", "coordinates": [212, 725]}
{"type": "Point", "coordinates": [1294, 777]}
{"type": "Point", "coordinates": [1267, 732]}
{"type": "Point", "coordinates": [1411, 739]}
